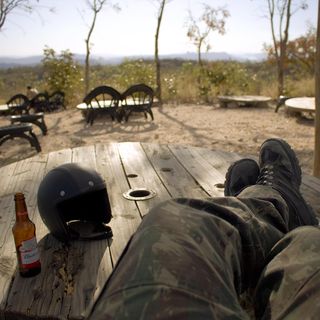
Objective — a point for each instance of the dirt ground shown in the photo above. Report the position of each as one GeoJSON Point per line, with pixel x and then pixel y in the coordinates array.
{"type": "Point", "coordinates": [235, 129]}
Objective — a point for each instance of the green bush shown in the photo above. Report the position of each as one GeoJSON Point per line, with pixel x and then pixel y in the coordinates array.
{"type": "Point", "coordinates": [61, 72]}
{"type": "Point", "coordinates": [182, 81]}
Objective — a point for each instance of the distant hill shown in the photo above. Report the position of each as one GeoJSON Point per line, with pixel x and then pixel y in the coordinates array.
{"type": "Point", "coordinates": [9, 62]}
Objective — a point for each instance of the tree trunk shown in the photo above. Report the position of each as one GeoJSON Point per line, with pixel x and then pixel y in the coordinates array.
{"type": "Point", "coordinates": [281, 53]}
{"type": "Point", "coordinates": [87, 68]}
{"type": "Point", "coordinates": [87, 60]}
{"type": "Point", "coordinates": [158, 92]}
{"type": "Point", "coordinates": [281, 67]}
{"type": "Point", "coordinates": [316, 167]}
{"type": "Point", "coordinates": [199, 54]}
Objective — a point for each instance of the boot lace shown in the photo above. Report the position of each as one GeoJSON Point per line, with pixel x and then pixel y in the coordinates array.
{"type": "Point", "coordinates": [269, 173]}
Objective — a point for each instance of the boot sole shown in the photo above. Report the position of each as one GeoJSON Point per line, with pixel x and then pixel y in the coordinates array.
{"type": "Point", "coordinates": [291, 155]}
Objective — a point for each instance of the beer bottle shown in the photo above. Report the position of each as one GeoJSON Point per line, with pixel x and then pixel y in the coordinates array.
{"type": "Point", "coordinates": [24, 233]}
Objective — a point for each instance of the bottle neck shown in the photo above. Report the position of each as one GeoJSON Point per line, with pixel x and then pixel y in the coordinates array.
{"type": "Point", "coordinates": [21, 207]}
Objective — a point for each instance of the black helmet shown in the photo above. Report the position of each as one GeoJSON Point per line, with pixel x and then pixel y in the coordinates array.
{"type": "Point", "coordinates": [73, 203]}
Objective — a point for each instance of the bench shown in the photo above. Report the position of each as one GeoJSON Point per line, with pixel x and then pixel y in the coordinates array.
{"type": "Point", "coordinates": [36, 118]}
{"type": "Point", "coordinates": [22, 130]}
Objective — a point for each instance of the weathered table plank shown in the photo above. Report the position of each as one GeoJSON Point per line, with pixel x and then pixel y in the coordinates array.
{"type": "Point", "coordinates": [178, 182]}
{"type": "Point", "coordinates": [310, 189]}
{"type": "Point", "coordinates": [126, 216]}
{"type": "Point", "coordinates": [207, 176]}
{"type": "Point", "coordinates": [28, 176]}
{"type": "Point", "coordinates": [97, 252]}
{"type": "Point", "coordinates": [135, 162]}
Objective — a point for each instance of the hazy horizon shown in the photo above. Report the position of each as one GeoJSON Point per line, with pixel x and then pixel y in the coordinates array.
{"type": "Point", "coordinates": [130, 32]}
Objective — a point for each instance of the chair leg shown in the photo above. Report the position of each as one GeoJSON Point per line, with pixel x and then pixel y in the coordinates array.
{"type": "Point", "coordinates": [127, 115]}
{"type": "Point", "coordinates": [279, 104]}
{"type": "Point", "coordinates": [33, 140]}
{"type": "Point", "coordinates": [151, 114]}
{"type": "Point", "coordinates": [42, 125]}
{"type": "Point", "coordinates": [89, 117]}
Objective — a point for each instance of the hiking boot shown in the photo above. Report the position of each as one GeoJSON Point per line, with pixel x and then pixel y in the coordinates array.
{"type": "Point", "coordinates": [279, 168]}
{"type": "Point", "coordinates": [241, 174]}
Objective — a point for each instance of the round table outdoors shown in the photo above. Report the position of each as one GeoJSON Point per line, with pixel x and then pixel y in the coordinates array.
{"type": "Point", "coordinates": [4, 107]}
{"type": "Point", "coordinates": [74, 275]}
{"type": "Point", "coordinates": [301, 104]}
{"type": "Point", "coordinates": [246, 100]}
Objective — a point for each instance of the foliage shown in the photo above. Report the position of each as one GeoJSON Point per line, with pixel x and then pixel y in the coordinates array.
{"type": "Point", "coordinates": [132, 72]}
{"type": "Point", "coordinates": [7, 6]}
{"type": "Point", "coordinates": [219, 78]}
{"type": "Point", "coordinates": [199, 29]}
{"type": "Point", "coordinates": [15, 80]}
{"type": "Point", "coordinates": [280, 13]}
{"type": "Point", "coordinates": [300, 53]}
{"type": "Point", "coordinates": [180, 79]}
{"type": "Point", "coordinates": [61, 72]}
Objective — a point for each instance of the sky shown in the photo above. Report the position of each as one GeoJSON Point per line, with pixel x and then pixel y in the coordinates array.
{"type": "Point", "coordinates": [131, 30]}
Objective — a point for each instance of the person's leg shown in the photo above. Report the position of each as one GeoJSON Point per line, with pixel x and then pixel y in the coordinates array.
{"type": "Point", "coordinates": [289, 287]}
{"type": "Point", "coordinates": [190, 259]}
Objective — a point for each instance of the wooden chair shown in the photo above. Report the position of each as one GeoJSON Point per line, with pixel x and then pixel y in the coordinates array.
{"type": "Point", "coordinates": [39, 103]}
{"type": "Point", "coordinates": [137, 98]}
{"type": "Point", "coordinates": [36, 119]}
{"type": "Point", "coordinates": [280, 102]}
{"type": "Point", "coordinates": [56, 100]}
{"type": "Point", "coordinates": [18, 104]}
{"type": "Point", "coordinates": [102, 100]}
{"type": "Point", "coordinates": [22, 130]}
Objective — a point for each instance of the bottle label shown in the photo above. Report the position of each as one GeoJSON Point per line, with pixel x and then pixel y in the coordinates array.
{"type": "Point", "coordinates": [23, 213]}
{"type": "Point", "coordinates": [29, 252]}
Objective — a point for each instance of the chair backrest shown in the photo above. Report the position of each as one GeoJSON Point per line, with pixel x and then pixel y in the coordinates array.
{"type": "Point", "coordinates": [56, 100]}
{"type": "Point", "coordinates": [102, 96]}
{"type": "Point", "coordinates": [18, 104]}
{"type": "Point", "coordinates": [40, 102]}
{"type": "Point", "coordinates": [138, 94]}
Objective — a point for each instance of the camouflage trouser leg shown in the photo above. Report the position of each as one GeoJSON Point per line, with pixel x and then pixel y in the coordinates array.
{"type": "Point", "coordinates": [289, 287]}
{"type": "Point", "coordinates": [190, 259]}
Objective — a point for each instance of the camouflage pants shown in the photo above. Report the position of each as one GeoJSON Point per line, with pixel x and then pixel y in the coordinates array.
{"type": "Point", "coordinates": [191, 259]}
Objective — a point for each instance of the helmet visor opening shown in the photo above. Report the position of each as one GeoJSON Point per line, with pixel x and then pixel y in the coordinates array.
{"type": "Point", "coordinates": [93, 206]}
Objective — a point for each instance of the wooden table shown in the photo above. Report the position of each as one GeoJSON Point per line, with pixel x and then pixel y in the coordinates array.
{"type": "Point", "coordinates": [73, 275]}
{"type": "Point", "coordinates": [106, 103]}
{"type": "Point", "coordinates": [4, 107]}
{"type": "Point", "coordinates": [301, 104]}
{"type": "Point", "coordinates": [243, 100]}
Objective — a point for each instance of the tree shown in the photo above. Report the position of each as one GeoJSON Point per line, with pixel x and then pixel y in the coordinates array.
{"type": "Point", "coordinates": [96, 6]}
{"type": "Point", "coordinates": [162, 4]}
{"type": "Point", "coordinates": [8, 6]}
{"type": "Point", "coordinates": [199, 29]}
{"type": "Point", "coordinates": [316, 167]}
{"type": "Point", "coordinates": [279, 14]}
{"type": "Point", "coordinates": [61, 72]}
{"type": "Point", "coordinates": [300, 52]}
